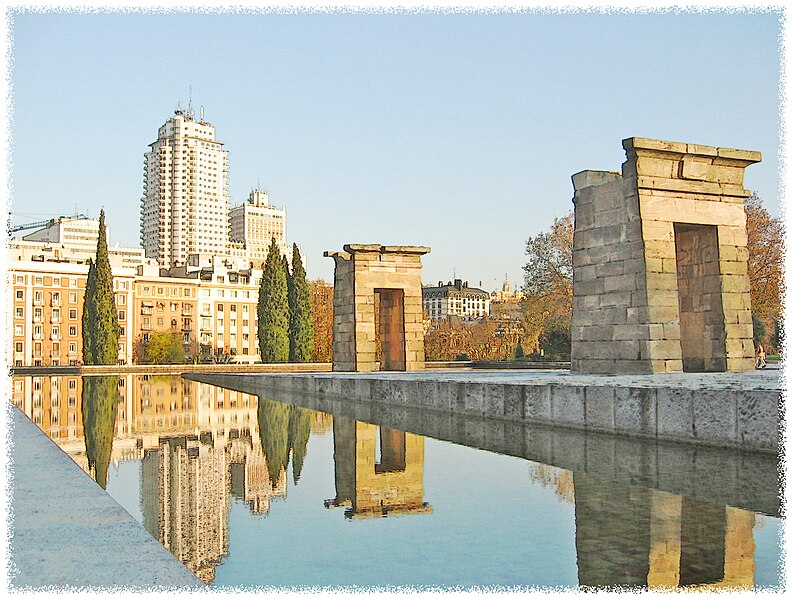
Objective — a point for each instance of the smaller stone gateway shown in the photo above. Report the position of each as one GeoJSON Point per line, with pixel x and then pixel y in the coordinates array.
{"type": "Point", "coordinates": [378, 287]}
{"type": "Point", "coordinates": [660, 262]}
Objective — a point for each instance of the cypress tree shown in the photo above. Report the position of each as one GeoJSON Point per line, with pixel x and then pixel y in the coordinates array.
{"type": "Point", "coordinates": [301, 335]}
{"type": "Point", "coordinates": [273, 309]}
{"type": "Point", "coordinates": [100, 328]}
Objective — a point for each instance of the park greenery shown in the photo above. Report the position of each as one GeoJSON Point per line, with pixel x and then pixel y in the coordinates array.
{"type": "Point", "coordinates": [100, 329]}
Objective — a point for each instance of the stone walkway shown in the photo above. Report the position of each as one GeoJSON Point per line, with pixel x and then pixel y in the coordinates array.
{"type": "Point", "coordinates": [67, 533]}
{"type": "Point", "coordinates": [769, 379]}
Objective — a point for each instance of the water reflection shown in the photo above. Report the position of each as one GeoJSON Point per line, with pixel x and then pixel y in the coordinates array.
{"type": "Point", "coordinates": [100, 399]}
{"type": "Point", "coordinates": [378, 470]}
{"type": "Point", "coordinates": [201, 447]}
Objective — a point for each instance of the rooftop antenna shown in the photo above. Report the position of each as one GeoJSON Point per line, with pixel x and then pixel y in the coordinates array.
{"type": "Point", "coordinates": [189, 106]}
{"type": "Point", "coordinates": [202, 113]}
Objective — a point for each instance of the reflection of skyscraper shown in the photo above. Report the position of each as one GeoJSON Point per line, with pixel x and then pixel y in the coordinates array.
{"type": "Point", "coordinates": [634, 536]}
{"type": "Point", "coordinates": [378, 470]}
{"type": "Point", "coordinates": [192, 507]}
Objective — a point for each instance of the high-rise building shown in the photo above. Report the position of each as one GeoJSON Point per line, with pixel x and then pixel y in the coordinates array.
{"type": "Point", "coordinates": [255, 223]}
{"type": "Point", "coordinates": [184, 209]}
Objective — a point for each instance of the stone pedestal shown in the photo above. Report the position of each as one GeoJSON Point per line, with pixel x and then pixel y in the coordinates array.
{"type": "Point", "coordinates": [368, 276]}
{"type": "Point", "coordinates": [660, 262]}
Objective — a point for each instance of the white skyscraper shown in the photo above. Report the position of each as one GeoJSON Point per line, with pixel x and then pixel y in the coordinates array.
{"type": "Point", "coordinates": [185, 206]}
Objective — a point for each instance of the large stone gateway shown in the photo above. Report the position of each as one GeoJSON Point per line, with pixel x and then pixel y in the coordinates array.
{"type": "Point", "coordinates": [660, 262]}
{"type": "Point", "coordinates": [378, 290]}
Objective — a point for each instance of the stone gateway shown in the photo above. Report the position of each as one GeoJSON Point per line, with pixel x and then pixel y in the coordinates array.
{"type": "Point", "coordinates": [660, 262]}
{"type": "Point", "coordinates": [378, 289]}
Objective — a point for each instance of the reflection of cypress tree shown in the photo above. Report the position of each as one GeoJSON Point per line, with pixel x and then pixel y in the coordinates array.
{"type": "Point", "coordinates": [273, 420]}
{"type": "Point", "coordinates": [99, 405]}
{"type": "Point", "coordinates": [299, 431]}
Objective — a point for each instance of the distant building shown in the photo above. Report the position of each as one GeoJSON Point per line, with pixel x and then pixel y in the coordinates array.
{"type": "Point", "coordinates": [255, 224]}
{"type": "Point", "coordinates": [455, 299]}
{"type": "Point", "coordinates": [506, 294]}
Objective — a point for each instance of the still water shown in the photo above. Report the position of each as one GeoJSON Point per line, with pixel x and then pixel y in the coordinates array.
{"type": "Point", "coordinates": [250, 492]}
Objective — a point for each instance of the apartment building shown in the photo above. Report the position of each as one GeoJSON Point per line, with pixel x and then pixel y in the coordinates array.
{"type": "Point", "coordinates": [455, 299]}
{"type": "Point", "coordinates": [185, 204]}
{"type": "Point", "coordinates": [254, 224]}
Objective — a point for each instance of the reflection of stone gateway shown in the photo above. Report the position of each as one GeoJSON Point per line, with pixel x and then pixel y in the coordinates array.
{"type": "Point", "coordinates": [374, 485]}
{"type": "Point", "coordinates": [378, 286]}
{"type": "Point", "coordinates": [660, 262]}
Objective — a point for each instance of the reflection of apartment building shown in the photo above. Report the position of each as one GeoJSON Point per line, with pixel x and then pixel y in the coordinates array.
{"type": "Point", "coordinates": [455, 299]}
{"type": "Point", "coordinates": [199, 446]}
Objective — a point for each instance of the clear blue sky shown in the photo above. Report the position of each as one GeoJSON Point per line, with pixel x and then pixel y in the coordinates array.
{"type": "Point", "coordinates": [459, 132]}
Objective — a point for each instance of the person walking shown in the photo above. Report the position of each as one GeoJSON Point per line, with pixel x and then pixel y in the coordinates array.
{"type": "Point", "coordinates": [761, 358]}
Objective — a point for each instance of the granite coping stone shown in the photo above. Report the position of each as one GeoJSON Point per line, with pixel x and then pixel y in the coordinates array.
{"type": "Point", "coordinates": [701, 408]}
{"type": "Point", "coordinates": [67, 533]}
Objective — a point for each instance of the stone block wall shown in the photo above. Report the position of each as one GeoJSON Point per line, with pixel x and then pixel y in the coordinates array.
{"type": "Point", "coordinates": [393, 273]}
{"type": "Point", "coordinates": [660, 262]}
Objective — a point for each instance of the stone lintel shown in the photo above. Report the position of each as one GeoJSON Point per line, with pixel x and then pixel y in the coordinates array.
{"type": "Point", "coordinates": [354, 248]}
{"type": "Point", "coordinates": [636, 145]}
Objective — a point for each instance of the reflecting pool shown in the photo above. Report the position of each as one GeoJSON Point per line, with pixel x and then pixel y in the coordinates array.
{"type": "Point", "coordinates": [250, 492]}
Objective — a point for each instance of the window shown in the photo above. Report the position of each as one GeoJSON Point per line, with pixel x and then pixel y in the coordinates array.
{"type": "Point", "coordinates": [56, 282]}
{"type": "Point", "coordinates": [20, 294]}
{"type": "Point", "coordinates": [160, 322]}
{"type": "Point", "coordinates": [123, 332]}
{"type": "Point", "coordinates": [72, 313]}
{"type": "Point", "coordinates": [72, 331]}
{"type": "Point", "coordinates": [56, 298]}
{"type": "Point", "coordinates": [55, 332]}
{"type": "Point", "coordinates": [72, 297]}
{"type": "Point", "coordinates": [19, 312]}
{"type": "Point", "coordinates": [20, 279]}
{"type": "Point", "coordinates": [160, 291]}
{"type": "Point", "coordinates": [122, 299]}
{"type": "Point", "coordinates": [72, 350]}
{"type": "Point", "coordinates": [18, 346]}
{"type": "Point", "coordinates": [122, 315]}
{"type": "Point", "coordinates": [219, 307]}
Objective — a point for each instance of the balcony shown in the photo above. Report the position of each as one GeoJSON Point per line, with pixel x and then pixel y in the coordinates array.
{"type": "Point", "coordinates": [145, 327]}
{"type": "Point", "coordinates": [38, 300]}
{"type": "Point", "coordinates": [145, 310]}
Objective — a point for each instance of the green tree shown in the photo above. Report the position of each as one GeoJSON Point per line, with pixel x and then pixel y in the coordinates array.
{"type": "Point", "coordinates": [100, 329]}
{"type": "Point", "coordinates": [760, 332]}
{"type": "Point", "coordinates": [556, 341]}
{"type": "Point", "coordinates": [163, 347]}
{"type": "Point", "coordinates": [273, 309]}
{"type": "Point", "coordinates": [301, 334]}
{"type": "Point", "coordinates": [100, 399]}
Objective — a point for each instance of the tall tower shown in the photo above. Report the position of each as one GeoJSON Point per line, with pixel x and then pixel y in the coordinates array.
{"type": "Point", "coordinates": [184, 209]}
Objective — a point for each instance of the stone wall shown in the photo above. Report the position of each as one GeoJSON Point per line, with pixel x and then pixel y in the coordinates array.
{"type": "Point", "coordinates": [634, 310]}
{"type": "Point", "coordinates": [393, 273]}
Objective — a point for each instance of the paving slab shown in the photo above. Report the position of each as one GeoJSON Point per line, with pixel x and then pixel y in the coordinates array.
{"type": "Point", "coordinates": [67, 533]}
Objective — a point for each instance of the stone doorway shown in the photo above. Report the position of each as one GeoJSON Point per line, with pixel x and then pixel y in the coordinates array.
{"type": "Point", "coordinates": [702, 332]}
{"type": "Point", "coordinates": [378, 308]}
{"type": "Point", "coordinates": [390, 328]}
